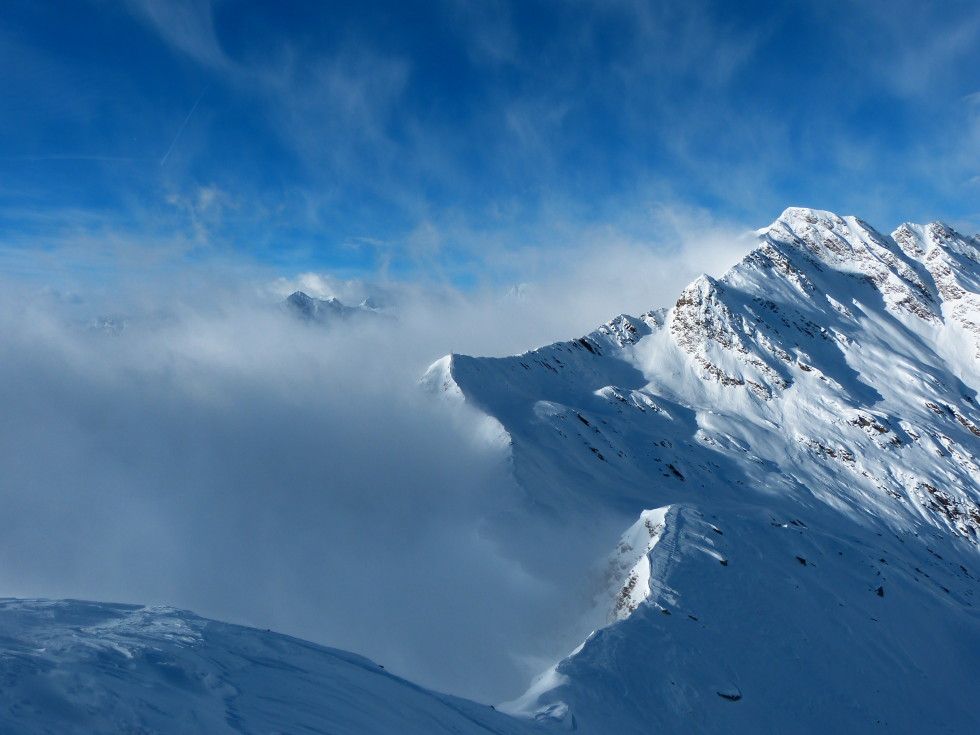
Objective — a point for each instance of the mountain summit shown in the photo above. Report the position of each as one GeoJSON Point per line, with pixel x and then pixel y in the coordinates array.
{"type": "Point", "coordinates": [309, 309]}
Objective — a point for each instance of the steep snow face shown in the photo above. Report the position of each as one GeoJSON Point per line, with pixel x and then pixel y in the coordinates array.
{"type": "Point", "coordinates": [80, 667]}
{"type": "Point", "coordinates": [758, 622]}
{"type": "Point", "coordinates": [632, 562]}
{"type": "Point", "coordinates": [811, 421]}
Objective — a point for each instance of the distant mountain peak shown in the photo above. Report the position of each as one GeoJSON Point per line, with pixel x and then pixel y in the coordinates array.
{"type": "Point", "coordinates": [308, 308]}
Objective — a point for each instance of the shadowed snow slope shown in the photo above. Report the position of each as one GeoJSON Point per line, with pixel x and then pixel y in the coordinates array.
{"type": "Point", "coordinates": [82, 667]}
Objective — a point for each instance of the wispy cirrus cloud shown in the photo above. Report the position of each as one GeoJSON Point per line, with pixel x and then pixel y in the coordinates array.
{"type": "Point", "coordinates": [344, 125]}
{"type": "Point", "coordinates": [914, 49]}
{"type": "Point", "coordinates": [187, 25]}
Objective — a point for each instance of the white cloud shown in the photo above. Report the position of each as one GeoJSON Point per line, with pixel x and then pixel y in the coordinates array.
{"type": "Point", "coordinates": [220, 457]}
{"type": "Point", "coordinates": [188, 25]}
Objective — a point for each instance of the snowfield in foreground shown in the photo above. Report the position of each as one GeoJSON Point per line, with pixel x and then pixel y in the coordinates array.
{"type": "Point", "coordinates": [85, 667]}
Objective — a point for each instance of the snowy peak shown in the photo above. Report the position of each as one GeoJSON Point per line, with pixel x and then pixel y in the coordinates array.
{"type": "Point", "coordinates": [925, 242]}
{"type": "Point", "coordinates": [844, 243]}
{"type": "Point", "coordinates": [812, 275]}
{"type": "Point", "coordinates": [849, 245]}
{"type": "Point", "coordinates": [831, 238]}
{"type": "Point", "coordinates": [827, 337]}
{"type": "Point", "coordinates": [914, 268]}
{"type": "Point", "coordinates": [307, 308]}
{"type": "Point", "coordinates": [438, 379]}
{"type": "Point", "coordinates": [630, 572]}
{"type": "Point", "coordinates": [952, 261]}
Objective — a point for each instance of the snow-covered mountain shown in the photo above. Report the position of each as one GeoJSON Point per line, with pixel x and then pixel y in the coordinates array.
{"type": "Point", "coordinates": [308, 308]}
{"type": "Point", "coordinates": [789, 461]}
{"type": "Point", "coordinates": [797, 443]}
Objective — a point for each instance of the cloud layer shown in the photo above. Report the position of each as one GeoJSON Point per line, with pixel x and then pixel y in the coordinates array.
{"type": "Point", "coordinates": [172, 437]}
{"type": "Point", "coordinates": [258, 470]}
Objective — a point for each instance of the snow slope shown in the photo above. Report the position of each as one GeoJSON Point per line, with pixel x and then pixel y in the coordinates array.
{"type": "Point", "coordinates": [807, 427]}
{"type": "Point", "coordinates": [82, 667]}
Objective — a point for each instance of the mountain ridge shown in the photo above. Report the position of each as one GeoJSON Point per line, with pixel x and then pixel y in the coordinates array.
{"type": "Point", "coordinates": [735, 340]}
{"type": "Point", "coordinates": [826, 382]}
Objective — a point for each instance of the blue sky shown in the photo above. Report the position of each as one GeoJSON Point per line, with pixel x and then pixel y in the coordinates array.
{"type": "Point", "coordinates": [466, 139]}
